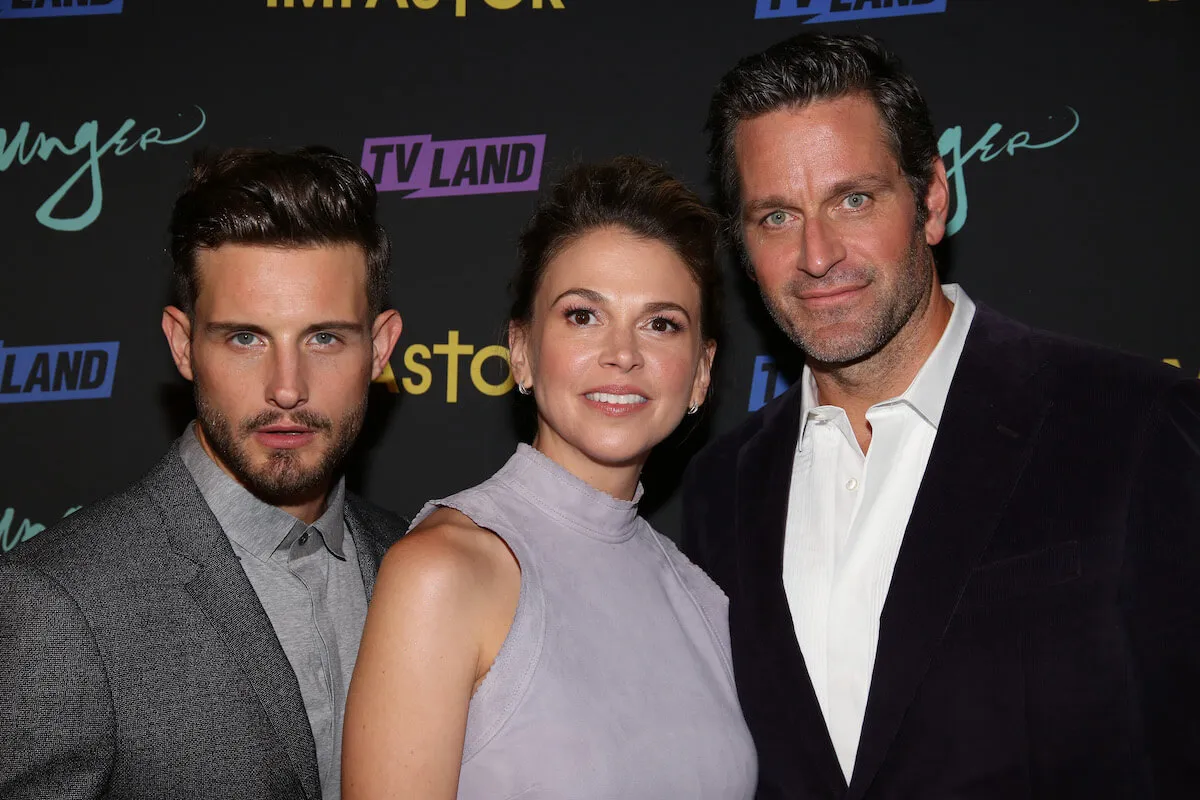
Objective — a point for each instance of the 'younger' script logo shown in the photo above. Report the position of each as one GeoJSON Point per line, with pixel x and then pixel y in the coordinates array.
{"type": "Point", "coordinates": [25, 531]}
{"type": "Point", "coordinates": [987, 148]}
{"type": "Point", "coordinates": [22, 149]}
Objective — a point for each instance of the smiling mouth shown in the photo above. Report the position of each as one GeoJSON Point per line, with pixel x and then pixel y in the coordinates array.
{"type": "Point", "coordinates": [616, 399]}
{"type": "Point", "coordinates": [829, 294]}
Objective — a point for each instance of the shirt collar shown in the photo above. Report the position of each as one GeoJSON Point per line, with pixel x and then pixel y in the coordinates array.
{"type": "Point", "coordinates": [928, 390]}
{"type": "Point", "coordinates": [258, 527]}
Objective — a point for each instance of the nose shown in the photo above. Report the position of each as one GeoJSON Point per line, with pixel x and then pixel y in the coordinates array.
{"type": "Point", "coordinates": [621, 349]}
{"type": "Point", "coordinates": [287, 386]}
{"type": "Point", "coordinates": [822, 248]}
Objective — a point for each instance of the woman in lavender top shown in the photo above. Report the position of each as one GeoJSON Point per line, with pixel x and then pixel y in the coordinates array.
{"type": "Point", "coordinates": [533, 636]}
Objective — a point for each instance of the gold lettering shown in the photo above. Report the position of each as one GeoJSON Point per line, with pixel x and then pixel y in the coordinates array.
{"type": "Point", "coordinates": [481, 383]}
{"type": "Point", "coordinates": [388, 379]}
{"type": "Point", "coordinates": [452, 350]}
{"type": "Point", "coordinates": [415, 367]}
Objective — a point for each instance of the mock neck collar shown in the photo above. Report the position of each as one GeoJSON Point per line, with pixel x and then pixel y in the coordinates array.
{"type": "Point", "coordinates": [568, 499]}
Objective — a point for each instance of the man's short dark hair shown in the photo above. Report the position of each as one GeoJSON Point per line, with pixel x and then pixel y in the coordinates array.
{"type": "Point", "coordinates": [310, 197]}
{"type": "Point", "coordinates": [810, 67]}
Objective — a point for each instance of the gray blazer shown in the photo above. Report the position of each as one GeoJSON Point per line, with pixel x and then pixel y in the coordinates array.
{"type": "Point", "coordinates": [137, 662]}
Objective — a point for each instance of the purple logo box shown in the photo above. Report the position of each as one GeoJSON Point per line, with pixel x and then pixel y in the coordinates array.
{"type": "Point", "coordinates": [421, 167]}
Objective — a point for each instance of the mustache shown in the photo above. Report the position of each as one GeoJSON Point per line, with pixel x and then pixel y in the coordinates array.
{"type": "Point", "coordinates": [834, 279]}
{"type": "Point", "coordinates": [303, 416]}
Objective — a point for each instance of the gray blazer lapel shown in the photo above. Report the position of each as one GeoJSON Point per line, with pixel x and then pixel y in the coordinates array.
{"type": "Point", "coordinates": [224, 594]}
{"type": "Point", "coordinates": [369, 550]}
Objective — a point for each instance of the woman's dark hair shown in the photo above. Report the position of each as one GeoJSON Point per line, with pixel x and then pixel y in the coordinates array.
{"type": "Point", "coordinates": [811, 67]}
{"type": "Point", "coordinates": [628, 193]}
{"type": "Point", "coordinates": [312, 196]}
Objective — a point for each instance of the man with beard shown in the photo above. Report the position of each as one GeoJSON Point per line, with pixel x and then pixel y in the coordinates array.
{"type": "Point", "coordinates": [205, 648]}
{"type": "Point", "coordinates": [961, 554]}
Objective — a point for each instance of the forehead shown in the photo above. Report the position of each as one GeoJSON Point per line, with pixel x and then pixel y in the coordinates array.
{"type": "Point", "coordinates": [253, 282]}
{"type": "Point", "coordinates": [623, 267]}
{"type": "Point", "coordinates": [842, 135]}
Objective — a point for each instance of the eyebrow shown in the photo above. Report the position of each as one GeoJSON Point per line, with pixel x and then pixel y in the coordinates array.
{"type": "Point", "coordinates": [870, 182]}
{"type": "Point", "coordinates": [666, 305]}
{"type": "Point", "coordinates": [592, 296]}
{"type": "Point", "coordinates": [341, 326]}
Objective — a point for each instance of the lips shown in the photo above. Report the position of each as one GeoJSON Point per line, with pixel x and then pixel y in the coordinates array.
{"type": "Point", "coordinates": [617, 400]}
{"type": "Point", "coordinates": [284, 437]}
{"type": "Point", "coordinates": [831, 292]}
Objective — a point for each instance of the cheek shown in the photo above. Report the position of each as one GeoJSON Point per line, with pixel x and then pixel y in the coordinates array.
{"type": "Point", "coordinates": [674, 366]}
{"type": "Point", "coordinates": [561, 359]}
{"type": "Point", "coordinates": [773, 257]}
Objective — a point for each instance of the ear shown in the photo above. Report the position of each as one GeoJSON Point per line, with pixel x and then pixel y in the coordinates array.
{"type": "Point", "coordinates": [518, 354]}
{"type": "Point", "coordinates": [703, 374]}
{"type": "Point", "coordinates": [177, 327]}
{"type": "Point", "coordinates": [385, 332]}
{"type": "Point", "coordinates": [937, 203]}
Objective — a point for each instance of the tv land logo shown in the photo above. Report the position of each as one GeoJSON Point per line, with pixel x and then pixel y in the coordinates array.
{"type": "Point", "coordinates": [420, 167]}
{"type": "Point", "coordinates": [15, 9]}
{"type": "Point", "coordinates": [43, 373]}
{"type": "Point", "coordinates": [766, 384]}
{"type": "Point", "coordinates": [822, 11]}
{"type": "Point", "coordinates": [460, 6]}
{"type": "Point", "coordinates": [488, 370]}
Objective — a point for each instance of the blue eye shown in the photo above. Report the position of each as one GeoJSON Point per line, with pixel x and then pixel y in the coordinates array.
{"type": "Point", "coordinates": [856, 200]}
{"type": "Point", "coordinates": [324, 338]}
{"type": "Point", "coordinates": [245, 339]}
{"type": "Point", "coordinates": [776, 218]}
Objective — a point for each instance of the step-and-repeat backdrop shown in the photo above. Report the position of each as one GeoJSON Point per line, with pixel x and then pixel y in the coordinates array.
{"type": "Point", "coordinates": [1067, 129]}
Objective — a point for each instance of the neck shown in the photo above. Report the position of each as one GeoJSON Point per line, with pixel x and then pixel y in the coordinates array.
{"type": "Point", "coordinates": [619, 480]}
{"type": "Point", "coordinates": [857, 386]}
{"type": "Point", "coordinates": [308, 511]}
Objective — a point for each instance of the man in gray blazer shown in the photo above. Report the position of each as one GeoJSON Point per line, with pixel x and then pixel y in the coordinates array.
{"type": "Point", "coordinates": [194, 634]}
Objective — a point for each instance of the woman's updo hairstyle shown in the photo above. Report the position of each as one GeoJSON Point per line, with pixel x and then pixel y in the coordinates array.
{"type": "Point", "coordinates": [629, 193]}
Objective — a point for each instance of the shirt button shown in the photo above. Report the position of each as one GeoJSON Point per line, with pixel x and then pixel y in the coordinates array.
{"type": "Point", "coordinates": [303, 538]}
{"type": "Point", "coordinates": [852, 484]}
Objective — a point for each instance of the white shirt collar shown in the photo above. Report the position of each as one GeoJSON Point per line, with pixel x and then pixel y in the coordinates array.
{"type": "Point", "coordinates": [928, 390]}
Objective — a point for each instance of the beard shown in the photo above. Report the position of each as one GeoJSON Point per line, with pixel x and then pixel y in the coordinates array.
{"type": "Point", "coordinates": [284, 479]}
{"type": "Point", "coordinates": [870, 330]}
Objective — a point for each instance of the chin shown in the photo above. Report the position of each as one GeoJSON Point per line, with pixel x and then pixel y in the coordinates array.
{"type": "Point", "coordinates": [615, 453]}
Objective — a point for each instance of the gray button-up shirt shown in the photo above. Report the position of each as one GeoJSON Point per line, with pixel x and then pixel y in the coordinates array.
{"type": "Point", "coordinates": [308, 580]}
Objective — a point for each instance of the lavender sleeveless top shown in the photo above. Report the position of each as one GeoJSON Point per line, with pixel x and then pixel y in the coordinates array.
{"type": "Point", "coordinates": [615, 678]}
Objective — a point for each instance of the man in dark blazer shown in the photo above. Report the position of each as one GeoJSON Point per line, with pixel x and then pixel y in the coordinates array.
{"type": "Point", "coordinates": [962, 555]}
{"type": "Point", "coordinates": [194, 634]}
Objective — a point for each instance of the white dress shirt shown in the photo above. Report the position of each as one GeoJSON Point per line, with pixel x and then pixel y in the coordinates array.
{"type": "Point", "coordinates": [847, 513]}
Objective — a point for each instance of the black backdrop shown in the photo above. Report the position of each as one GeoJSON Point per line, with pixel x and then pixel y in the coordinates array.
{"type": "Point", "coordinates": [1075, 177]}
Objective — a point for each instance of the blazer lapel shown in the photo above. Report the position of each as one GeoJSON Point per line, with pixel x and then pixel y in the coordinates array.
{"type": "Point", "coordinates": [993, 413]}
{"type": "Point", "coordinates": [764, 473]}
{"type": "Point", "coordinates": [366, 546]}
{"type": "Point", "coordinates": [224, 594]}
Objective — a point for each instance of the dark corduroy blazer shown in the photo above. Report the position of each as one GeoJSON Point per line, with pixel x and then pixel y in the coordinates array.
{"type": "Point", "coordinates": [1041, 635]}
{"type": "Point", "coordinates": [137, 662]}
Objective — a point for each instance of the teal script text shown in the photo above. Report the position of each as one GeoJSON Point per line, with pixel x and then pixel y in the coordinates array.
{"type": "Point", "coordinates": [24, 532]}
{"type": "Point", "coordinates": [21, 149]}
{"type": "Point", "coordinates": [987, 148]}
